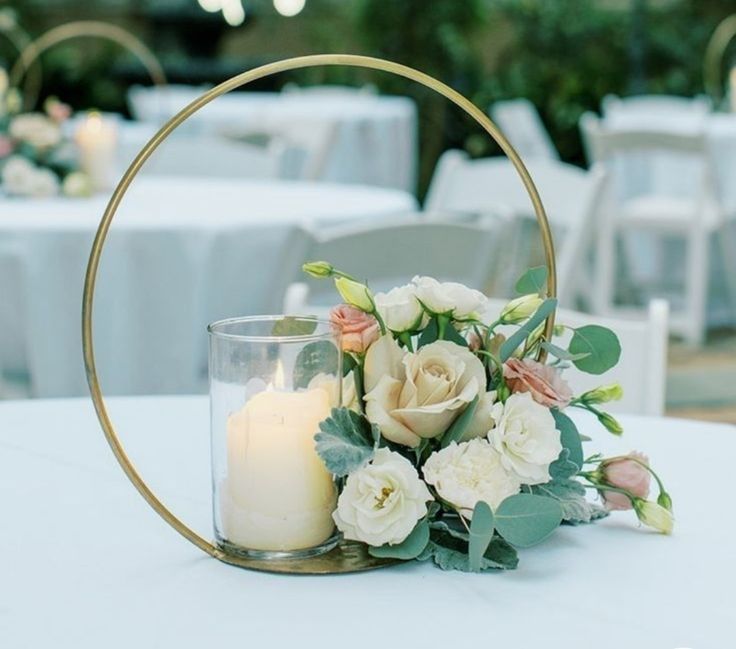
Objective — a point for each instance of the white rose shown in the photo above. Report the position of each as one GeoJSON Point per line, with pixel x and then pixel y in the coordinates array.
{"type": "Point", "coordinates": [411, 396]}
{"type": "Point", "coordinates": [450, 298]}
{"type": "Point", "coordinates": [328, 383]}
{"type": "Point", "coordinates": [44, 183]}
{"type": "Point", "coordinates": [382, 502]}
{"type": "Point", "coordinates": [483, 418]}
{"type": "Point", "coordinates": [466, 473]}
{"type": "Point", "coordinates": [35, 129]}
{"type": "Point", "coordinates": [400, 309]}
{"type": "Point", "coordinates": [527, 438]}
{"type": "Point", "coordinates": [17, 176]}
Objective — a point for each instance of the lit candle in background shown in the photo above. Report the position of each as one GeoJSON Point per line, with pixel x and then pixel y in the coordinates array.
{"type": "Point", "coordinates": [97, 139]}
{"type": "Point", "coordinates": [277, 495]}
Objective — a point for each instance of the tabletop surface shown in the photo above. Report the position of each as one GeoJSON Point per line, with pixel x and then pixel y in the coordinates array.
{"type": "Point", "coordinates": [182, 202]}
{"type": "Point", "coordinates": [85, 563]}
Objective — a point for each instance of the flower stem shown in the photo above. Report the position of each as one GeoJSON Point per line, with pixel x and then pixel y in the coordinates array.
{"type": "Point", "coordinates": [405, 337]}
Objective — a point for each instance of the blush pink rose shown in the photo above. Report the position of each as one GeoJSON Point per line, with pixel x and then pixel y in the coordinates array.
{"type": "Point", "coordinates": [6, 147]}
{"type": "Point", "coordinates": [359, 330]}
{"type": "Point", "coordinates": [543, 382]}
{"type": "Point", "coordinates": [57, 110]}
{"type": "Point", "coordinates": [625, 473]}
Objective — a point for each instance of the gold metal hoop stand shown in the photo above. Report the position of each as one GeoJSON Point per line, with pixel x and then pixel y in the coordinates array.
{"type": "Point", "coordinates": [83, 29]}
{"type": "Point", "coordinates": [347, 557]}
{"type": "Point", "coordinates": [724, 33]}
{"type": "Point", "coordinates": [20, 39]}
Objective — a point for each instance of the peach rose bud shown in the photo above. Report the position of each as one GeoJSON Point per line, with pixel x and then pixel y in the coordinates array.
{"type": "Point", "coordinates": [625, 473]}
{"type": "Point", "coordinates": [359, 329]}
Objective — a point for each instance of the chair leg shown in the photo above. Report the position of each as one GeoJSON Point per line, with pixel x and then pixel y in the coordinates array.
{"type": "Point", "coordinates": [727, 241]}
{"type": "Point", "coordinates": [696, 287]}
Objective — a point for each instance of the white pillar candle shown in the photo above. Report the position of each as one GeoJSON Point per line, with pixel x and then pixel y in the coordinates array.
{"type": "Point", "coordinates": [277, 495]}
{"type": "Point", "coordinates": [97, 139]}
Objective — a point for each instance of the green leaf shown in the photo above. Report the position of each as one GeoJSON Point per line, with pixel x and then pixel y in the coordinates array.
{"type": "Point", "coordinates": [456, 431]}
{"type": "Point", "coordinates": [509, 346]}
{"type": "Point", "coordinates": [293, 326]}
{"type": "Point", "coordinates": [346, 441]}
{"type": "Point", "coordinates": [458, 532]}
{"type": "Point", "coordinates": [601, 345]}
{"type": "Point", "coordinates": [562, 354]}
{"type": "Point", "coordinates": [431, 334]}
{"type": "Point", "coordinates": [570, 494]}
{"type": "Point", "coordinates": [569, 437]}
{"type": "Point", "coordinates": [315, 358]}
{"type": "Point", "coordinates": [451, 554]}
{"type": "Point", "coordinates": [410, 548]}
{"type": "Point", "coordinates": [527, 519]}
{"type": "Point", "coordinates": [563, 467]}
{"type": "Point", "coordinates": [481, 533]}
{"type": "Point", "coordinates": [533, 280]}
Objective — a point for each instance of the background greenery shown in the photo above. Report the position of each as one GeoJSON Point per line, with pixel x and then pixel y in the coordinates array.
{"type": "Point", "coordinates": [564, 55]}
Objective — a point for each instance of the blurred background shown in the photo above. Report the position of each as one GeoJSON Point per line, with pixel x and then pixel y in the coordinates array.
{"type": "Point", "coordinates": [624, 120]}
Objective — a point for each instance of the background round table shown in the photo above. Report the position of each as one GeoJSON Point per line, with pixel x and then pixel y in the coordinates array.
{"type": "Point", "coordinates": [85, 563]}
{"type": "Point", "coordinates": [180, 253]}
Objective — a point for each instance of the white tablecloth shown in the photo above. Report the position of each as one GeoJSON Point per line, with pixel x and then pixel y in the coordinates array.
{"type": "Point", "coordinates": [86, 564]}
{"type": "Point", "coordinates": [179, 254]}
{"type": "Point", "coordinates": [374, 140]}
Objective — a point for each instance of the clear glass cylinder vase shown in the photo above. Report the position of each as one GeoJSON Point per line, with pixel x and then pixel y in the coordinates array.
{"type": "Point", "coordinates": [273, 379]}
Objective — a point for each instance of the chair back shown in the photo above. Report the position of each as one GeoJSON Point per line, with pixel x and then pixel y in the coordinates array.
{"type": "Point", "coordinates": [519, 121]}
{"type": "Point", "coordinates": [656, 105]}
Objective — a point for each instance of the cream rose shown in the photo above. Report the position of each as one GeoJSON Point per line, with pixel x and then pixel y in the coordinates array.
{"type": "Point", "coordinates": [400, 309]}
{"type": "Point", "coordinates": [450, 298]}
{"type": "Point", "coordinates": [35, 129]}
{"type": "Point", "coordinates": [329, 384]}
{"type": "Point", "coordinates": [411, 396]}
{"type": "Point", "coordinates": [466, 473]}
{"type": "Point", "coordinates": [526, 437]}
{"type": "Point", "coordinates": [382, 502]}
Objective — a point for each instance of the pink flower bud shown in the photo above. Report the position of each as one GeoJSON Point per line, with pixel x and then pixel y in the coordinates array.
{"type": "Point", "coordinates": [543, 382]}
{"type": "Point", "coordinates": [359, 329]}
{"type": "Point", "coordinates": [625, 473]}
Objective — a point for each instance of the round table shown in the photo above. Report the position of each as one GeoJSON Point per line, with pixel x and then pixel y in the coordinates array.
{"type": "Point", "coordinates": [85, 562]}
{"type": "Point", "coordinates": [181, 253]}
{"type": "Point", "coordinates": [370, 139]}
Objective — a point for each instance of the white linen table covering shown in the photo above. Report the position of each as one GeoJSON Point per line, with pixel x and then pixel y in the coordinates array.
{"type": "Point", "coordinates": [180, 253]}
{"type": "Point", "coordinates": [375, 140]}
{"type": "Point", "coordinates": [84, 563]}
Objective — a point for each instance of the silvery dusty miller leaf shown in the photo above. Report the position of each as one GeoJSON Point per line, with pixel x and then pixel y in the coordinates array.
{"type": "Point", "coordinates": [345, 441]}
{"type": "Point", "coordinates": [571, 496]}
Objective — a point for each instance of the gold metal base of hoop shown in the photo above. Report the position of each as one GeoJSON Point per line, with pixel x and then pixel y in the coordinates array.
{"type": "Point", "coordinates": [346, 557]}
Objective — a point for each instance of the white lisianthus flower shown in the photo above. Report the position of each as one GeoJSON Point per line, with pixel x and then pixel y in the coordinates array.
{"type": "Point", "coordinates": [329, 384]}
{"type": "Point", "coordinates": [654, 515]}
{"type": "Point", "coordinates": [526, 437]}
{"type": "Point", "coordinates": [466, 473]}
{"type": "Point", "coordinates": [400, 309]}
{"type": "Point", "coordinates": [411, 396]}
{"type": "Point", "coordinates": [450, 298]}
{"type": "Point", "coordinates": [77, 184]}
{"type": "Point", "coordinates": [36, 129]}
{"type": "Point", "coordinates": [382, 502]}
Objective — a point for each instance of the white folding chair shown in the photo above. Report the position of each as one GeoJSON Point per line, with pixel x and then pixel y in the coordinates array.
{"type": "Point", "coordinates": [688, 211]}
{"type": "Point", "coordinates": [519, 121]}
{"type": "Point", "coordinates": [572, 198]}
{"type": "Point", "coordinates": [642, 368]}
{"type": "Point", "coordinates": [390, 255]}
{"type": "Point", "coordinates": [656, 105]}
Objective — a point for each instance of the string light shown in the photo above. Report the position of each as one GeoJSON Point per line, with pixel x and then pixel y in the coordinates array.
{"type": "Point", "coordinates": [289, 7]}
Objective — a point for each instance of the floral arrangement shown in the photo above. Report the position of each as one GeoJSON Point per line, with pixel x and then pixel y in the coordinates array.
{"type": "Point", "coordinates": [452, 442]}
{"type": "Point", "coordinates": [35, 158]}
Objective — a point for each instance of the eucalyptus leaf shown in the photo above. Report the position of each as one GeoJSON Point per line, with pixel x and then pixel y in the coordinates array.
{"type": "Point", "coordinates": [527, 519]}
{"type": "Point", "coordinates": [315, 358]}
{"type": "Point", "coordinates": [410, 548]}
{"type": "Point", "coordinates": [533, 280]}
{"type": "Point", "coordinates": [457, 531]}
{"type": "Point", "coordinates": [293, 326]}
{"type": "Point", "coordinates": [481, 533]}
{"type": "Point", "coordinates": [456, 431]}
{"type": "Point", "coordinates": [519, 337]}
{"type": "Point", "coordinates": [601, 345]}
{"type": "Point", "coordinates": [569, 437]}
{"type": "Point", "coordinates": [346, 441]}
{"type": "Point", "coordinates": [563, 467]}
{"type": "Point", "coordinates": [562, 354]}
{"type": "Point", "coordinates": [451, 554]}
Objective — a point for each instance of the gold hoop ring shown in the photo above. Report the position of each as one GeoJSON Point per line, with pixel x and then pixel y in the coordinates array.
{"type": "Point", "coordinates": [84, 29]}
{"type": "Point", "coordinates": [724, 33]}
{"type": "Point", "coordinates": [318, 564]}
